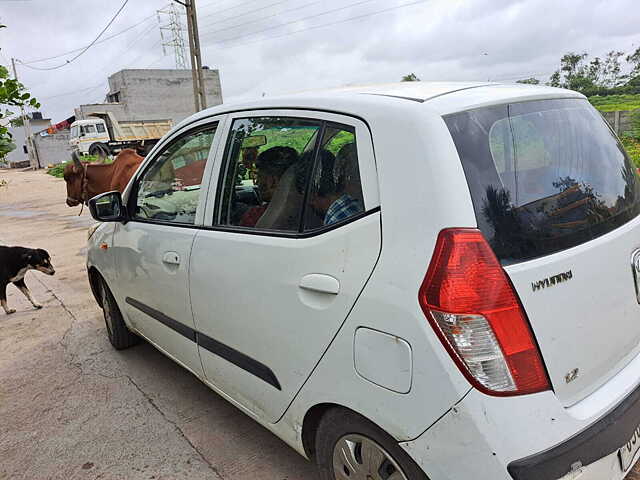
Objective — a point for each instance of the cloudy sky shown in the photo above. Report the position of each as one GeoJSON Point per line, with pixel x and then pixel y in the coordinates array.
{"type": "Point", "coordinates": [274, 46]}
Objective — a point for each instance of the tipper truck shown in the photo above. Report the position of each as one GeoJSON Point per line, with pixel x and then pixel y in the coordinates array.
{"type": "Point", "coordinates": [102, 134]}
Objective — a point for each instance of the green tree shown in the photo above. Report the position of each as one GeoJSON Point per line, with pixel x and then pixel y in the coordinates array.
{"type": "Point", "coordinates": [12, 94]}
{"type": "Point", "coordinates": [634, 61]}
{"type": "Point", "coordinates": [412, 77]}
{"type": "Point", "coordinates": [554, 79]}
{"type": "Point", "coordinates": [611, 70]}
{"type": "Point", "coordinates": [529, 81]}
{"type": "Point", "coordinates": [576, 74]}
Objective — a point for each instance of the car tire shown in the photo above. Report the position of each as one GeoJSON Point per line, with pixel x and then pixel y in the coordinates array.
{"type": "Point", "coordinates": [119, 334]}
{"type": "Point", "coordinates": [342, 431]}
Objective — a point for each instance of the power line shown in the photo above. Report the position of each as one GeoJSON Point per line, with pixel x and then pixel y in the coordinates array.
{"type": "Point", "coordinates": [361, 2]}
{"type": "Point", "coordinates": [88, 89]}
{"type": "Point", "coordinates": [228, 8]}
{"type": "Point", "coordinates": [104, 71]}
{"type": "Point", "coordinates": [243, 14]}
{"type": "Point", "coordinates": [257, 19]}
{"type": "Point", "coordinates": [88, 46]}
{"type": "Point", "coordinates": [146, 32]}
{"type": "Point", "coordinates": [350, 19]}
{"type": "Point", "coordinates": [139, 57]}
{"type": "Point", "coordinates": [105, 39]}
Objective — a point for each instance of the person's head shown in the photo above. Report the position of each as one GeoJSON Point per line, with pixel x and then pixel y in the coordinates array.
{"type": "Point", "coordinates": [338, 175]}
{"type": "Point", "coordinates": [270, 166]}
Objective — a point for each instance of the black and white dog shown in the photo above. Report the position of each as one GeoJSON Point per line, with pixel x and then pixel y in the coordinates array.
{"type": "Point", "coordinates": [15, 262]}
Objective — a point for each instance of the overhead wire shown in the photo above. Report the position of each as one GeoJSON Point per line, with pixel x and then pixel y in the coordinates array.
{"type": "Point", "coordinates": [209, 32]}
{"type": "Point", "coordinates": [228, 8]}
{"type": "Point", "coordinates": [73, 92]}
{"type": "Point", "coordinates": [314, 27]}
{"type": "Point", "coordinates": [105, 39]}
{"type": "Point", "coordinates": [85, 48]}
{"type": "Point", "coordinates": [241, 14]}
{"type": "Point", "coordinates": [104, 70]}
{"type": "Point", "coordinates": [274, 27]}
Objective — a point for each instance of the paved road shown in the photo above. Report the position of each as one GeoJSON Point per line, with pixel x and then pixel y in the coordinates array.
{"type": "Point", "coordinates": [72, 407]}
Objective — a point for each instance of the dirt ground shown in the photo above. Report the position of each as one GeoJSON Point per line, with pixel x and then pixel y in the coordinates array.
{"type": "Point", "coordinates": [72, 407]}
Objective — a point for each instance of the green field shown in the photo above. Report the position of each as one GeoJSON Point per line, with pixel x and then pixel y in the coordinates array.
{"type": "Point", "coordinates": [632, 146]}
{"type": "Point", "coordinates": [611, 103]}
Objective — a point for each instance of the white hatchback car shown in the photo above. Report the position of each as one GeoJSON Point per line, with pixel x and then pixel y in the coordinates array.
{"type": "Point", "coordinates": [403, 282]}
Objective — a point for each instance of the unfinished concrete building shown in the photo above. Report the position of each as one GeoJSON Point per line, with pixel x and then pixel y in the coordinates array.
{"type": "Point", "coordinates": [154, 94]}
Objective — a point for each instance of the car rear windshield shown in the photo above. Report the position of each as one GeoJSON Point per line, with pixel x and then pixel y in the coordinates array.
{"type": "Point", "coordinates": [544, 175]}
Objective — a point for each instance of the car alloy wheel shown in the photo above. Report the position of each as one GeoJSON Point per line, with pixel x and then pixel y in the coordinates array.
{"type": "Point", "coordinates": [356, 457]}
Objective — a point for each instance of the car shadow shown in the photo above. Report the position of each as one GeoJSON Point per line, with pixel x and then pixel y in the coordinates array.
{"type": "Point", "coordinates": [231, 442]}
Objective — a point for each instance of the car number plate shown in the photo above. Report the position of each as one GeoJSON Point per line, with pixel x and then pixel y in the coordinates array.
{"type": "Point", "coordinates": [628, 452]}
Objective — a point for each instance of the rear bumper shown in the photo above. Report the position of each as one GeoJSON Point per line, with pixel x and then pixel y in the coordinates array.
{"type": "Point", "coordinates": [599, 440]}
{"type": "Point", "coordinates": [533, 436]}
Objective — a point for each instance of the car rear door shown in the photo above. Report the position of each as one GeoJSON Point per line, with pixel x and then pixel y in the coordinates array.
{"type": "Point", "coordinates": [558, 200]}
{"type": "Point", "coordinates": [272, 280]}
{"type": "Point", "coordinates": [153, 249]}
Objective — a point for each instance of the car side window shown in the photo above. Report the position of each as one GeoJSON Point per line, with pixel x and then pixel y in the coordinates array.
{"type": "Point", "coordinates": [268, 161]}
{"type": "Point", "coordinates": [169, 189]}
{"type": "Point", "coordinates": [335, 193]}
{"type": "Point", "coordinates": [100, 128]}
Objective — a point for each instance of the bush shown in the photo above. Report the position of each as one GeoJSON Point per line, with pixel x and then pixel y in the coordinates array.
{"type": "Point", "coordinates": [58, 170]}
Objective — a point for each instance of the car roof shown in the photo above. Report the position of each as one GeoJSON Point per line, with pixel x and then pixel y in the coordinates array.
{"type": "Point", "coordinates": [440, 98]}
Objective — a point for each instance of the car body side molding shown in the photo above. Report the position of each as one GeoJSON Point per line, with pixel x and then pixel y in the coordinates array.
{"type": "Point", "coordinates": [212, 345]}
{"type": "Point", "coordinates": [239, 359]}
{"type": "Point", "coordinates": [182, 329]}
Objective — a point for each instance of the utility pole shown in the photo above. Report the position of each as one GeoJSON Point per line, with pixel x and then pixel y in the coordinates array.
{"type": "Point", "coordinates": [199, 95]}
{"type": "Point", "coordinates": [25, 122]}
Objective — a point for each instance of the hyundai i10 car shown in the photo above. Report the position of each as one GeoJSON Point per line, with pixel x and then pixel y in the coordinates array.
{"type": "Point", "coordinates": [403, 282]}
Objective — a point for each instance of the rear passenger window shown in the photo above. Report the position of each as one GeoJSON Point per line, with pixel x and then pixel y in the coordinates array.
{"type": "Point", "coordinates": [100, 128]}
{"type": "Point", "coordinates": [336, 191]}
{"type": "Point", "coordinates": [268, 164]}
{"type": "Point", "coordinates": [279, 170]}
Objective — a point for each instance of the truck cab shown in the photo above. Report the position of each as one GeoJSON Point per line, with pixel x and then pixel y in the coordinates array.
{"type": "Point", "coordinates": [85, 133]}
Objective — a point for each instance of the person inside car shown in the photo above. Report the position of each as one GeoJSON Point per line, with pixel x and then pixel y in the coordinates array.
{"type": "Point", "coordinates": [270, 165]}
{"type": "Point", "coordinates": [339, 193]}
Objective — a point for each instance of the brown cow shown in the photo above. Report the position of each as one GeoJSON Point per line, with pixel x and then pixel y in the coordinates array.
{"type": "Point", "coordinates": [86, 180]}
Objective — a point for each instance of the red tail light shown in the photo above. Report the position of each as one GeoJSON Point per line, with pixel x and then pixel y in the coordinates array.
{"type": "Point", "coordinates": [475, 311]}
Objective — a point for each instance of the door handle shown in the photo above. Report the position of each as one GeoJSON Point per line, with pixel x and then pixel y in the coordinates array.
{"type": "Point", "coordinates": [171, 258]}
{"type": "Point", "coordinates": [319, 282]}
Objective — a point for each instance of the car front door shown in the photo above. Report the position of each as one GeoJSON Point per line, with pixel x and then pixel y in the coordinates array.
{"type": "Point", "coordinates": [294, 236]}
{"type": "Point", "coordinates": [166, 204]}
